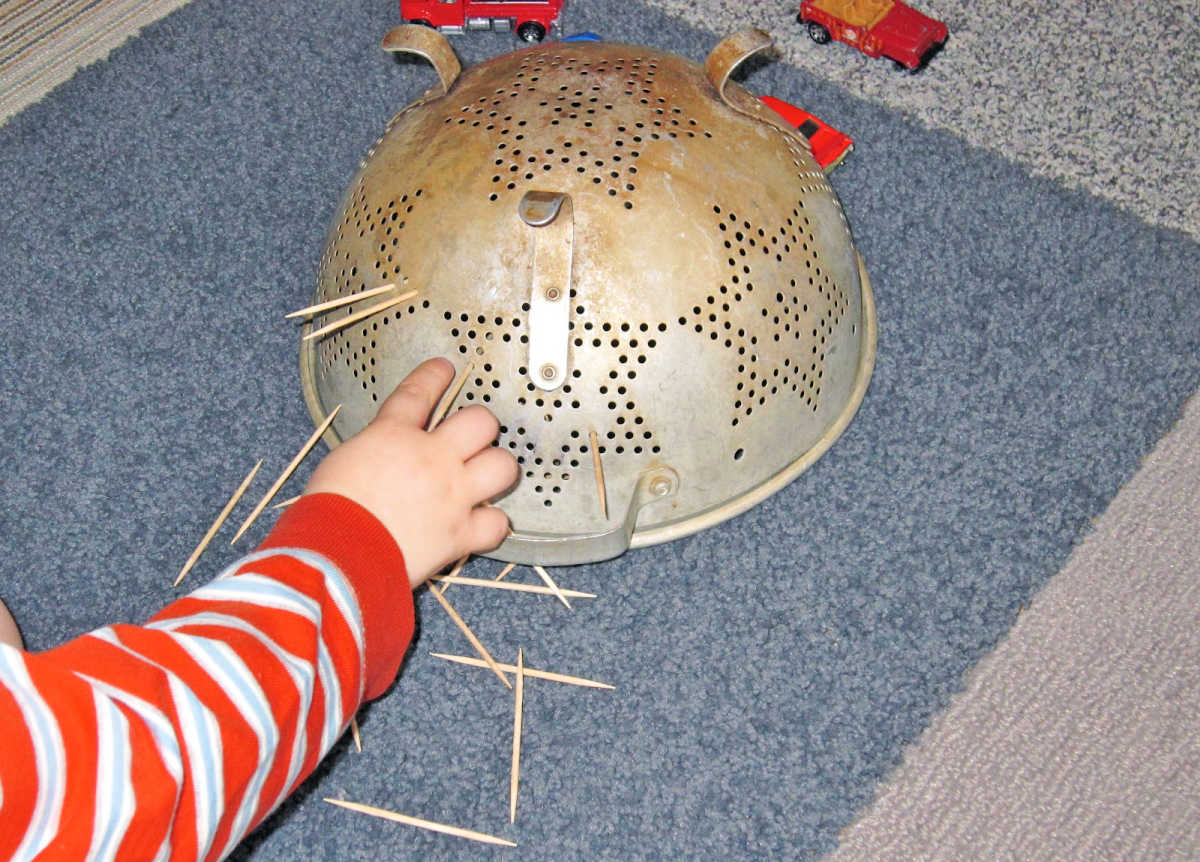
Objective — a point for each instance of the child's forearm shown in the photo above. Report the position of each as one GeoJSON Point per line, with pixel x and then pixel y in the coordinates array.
{"type": "Point", "coordinates": [186, 732]}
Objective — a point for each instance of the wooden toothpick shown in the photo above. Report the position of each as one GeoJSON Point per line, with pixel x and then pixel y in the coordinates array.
{"type": "Point", "coordinates": [465, 629]}
{"type": "Point", "coordinates": [598, 468]}
{"type": "Point", "coordinates": [360, 315]}
{"type": "Point", "coordinates": [566, 679]}
{"type": "Point", "coordinates": [339, 302]}
{"type": "Point", "coordinates": [355, 734]}
{"type": "Point", "coordinates": [518, 702]}
{"type": "Point", "coordinates": [507, 568]}
{"type": "Point", "coordinates": [545, 576]}
{"type": "Point", "coordinates": [287, 471]}
{"type": "Point", "coordinates": [419, 823]}
{"type": "Point", "coordinates": [455, 388]}
{"type": "Point", "coordinates": [287, 502]}
{"type": "Point", "coordinates": [447, 580]}
{"type": "Point", "coordinates": [216, 525]}
{"type": "Point", "coordinates": [458, 567]}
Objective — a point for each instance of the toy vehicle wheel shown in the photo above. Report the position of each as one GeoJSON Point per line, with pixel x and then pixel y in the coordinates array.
{"type": "Point", "coordinates": [531, 31]}
{"type": "Point", "coordinates": [421, 22]}
{"type": "Point", "coordinates": [818, 33]}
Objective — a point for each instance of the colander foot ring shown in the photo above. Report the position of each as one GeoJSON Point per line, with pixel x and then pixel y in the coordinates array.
{"type": "Point", "coordinates": [653, 486]}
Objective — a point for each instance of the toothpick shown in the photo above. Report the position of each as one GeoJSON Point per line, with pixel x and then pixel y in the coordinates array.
{"type": "Point", "coordinates": [320, 307]}
{"type": "Point", "coordinates": [507, 568]}
{"type": "Point", "coordinates": [598, 468]}
{"type": "Point", "coordinates": [360, 315]}
{"type": "Point", "coordinates": [446, 580]}
{"type": "Point", "coordinates": [216, 525]}
{"type": "Point", "coordinates": [539, 674]}
{"type": "Point", "coordinates": [287, 471]}
{"type": "Point", "coordinates": [455, 388]}
{"type": "Point", "coordinates": [354, 733]}
{"type": "Point", "coordinates": [462, 626]}
{"type": "Point", "coordinates": [458, 567]}
{"type": "Point", "coordinates": [518, 702]}
{"type": "Point", "coordinates": [287, 502]}
{"type": "Point", "coordinates": [545, 576]}
{"type": "Point", "coordinates": [456, 831]}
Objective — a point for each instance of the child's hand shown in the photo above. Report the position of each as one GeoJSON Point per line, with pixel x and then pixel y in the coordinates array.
{"type": "Point", "coordinates": [425, 487]}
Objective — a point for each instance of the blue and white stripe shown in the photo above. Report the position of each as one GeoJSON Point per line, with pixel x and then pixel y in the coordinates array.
{"type": "Point", "coordinates": [201, 737]}
{"type": "Point", "coordinates": [301, 672]}
{"type": "Point", "coordinates": [48, 751]}
{"type": "Point", "coordinates": [267, 592]}
{"type": "Point", "coordinates": [202, 741]}
{"type": "Point", "coordinates": [237, 681]}
{"type": "Point", "coordinates": [263, 590]}
{"type": "Point", "coordinates": [336, 585]}
{"type": "Point", "coordinates": [154, 719]}
{"type": "Point", "coordinates": [115, 798]}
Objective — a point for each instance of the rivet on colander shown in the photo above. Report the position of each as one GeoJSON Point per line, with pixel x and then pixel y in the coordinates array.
{"type": "Point", "coordinates": [660, 486]}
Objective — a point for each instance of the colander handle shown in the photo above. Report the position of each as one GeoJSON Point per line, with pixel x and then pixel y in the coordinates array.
{"type": "Point", "coordinates": [730, 53]}
{"type": "Point", "coordinates": [430, 44]}
{"type": "Point", "coordinates": [552, 217]}
{"type": "Point", "coordinates": [654, 485]}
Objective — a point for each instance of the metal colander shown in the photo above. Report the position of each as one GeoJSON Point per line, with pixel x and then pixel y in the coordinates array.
{"type": "Point", "coordinates": [622, 243]}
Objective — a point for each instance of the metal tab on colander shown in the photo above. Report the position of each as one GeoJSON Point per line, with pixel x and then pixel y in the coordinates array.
{"type": "Point", "coordinates": [621, 242]}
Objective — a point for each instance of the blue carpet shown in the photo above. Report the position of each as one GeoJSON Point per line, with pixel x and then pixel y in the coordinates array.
{"type": "Point", "coordinates": [165, 208]}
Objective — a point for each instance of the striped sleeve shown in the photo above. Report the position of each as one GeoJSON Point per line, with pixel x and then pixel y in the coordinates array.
{"type": "Point", "coordinates": [173, 740]}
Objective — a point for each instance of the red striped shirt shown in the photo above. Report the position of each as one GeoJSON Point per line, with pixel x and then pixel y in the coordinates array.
{"type": "Point", "coordinates": [173, 740]}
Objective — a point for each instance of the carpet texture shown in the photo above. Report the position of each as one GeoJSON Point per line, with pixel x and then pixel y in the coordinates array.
{"type": "Point", "coordinates": [1100, 95]}
{"type": "Point", "coordinates": [43, 42]}
{"type": "Point", "coordinates": [1037, 337]}
{"type": "Point", "coordinates": [1084, 752]}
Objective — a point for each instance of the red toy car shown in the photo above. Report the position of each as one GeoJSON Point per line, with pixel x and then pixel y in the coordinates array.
{"type": "Point", "coordinates": [878, 28]}
{"type": "Point", "coordinates": [532, 20]}
{"type": "Point", "coordinates": [829, 146]}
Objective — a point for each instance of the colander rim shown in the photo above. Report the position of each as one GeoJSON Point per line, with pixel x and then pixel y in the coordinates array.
{"type": "Point", "coordinates": [642, 538]}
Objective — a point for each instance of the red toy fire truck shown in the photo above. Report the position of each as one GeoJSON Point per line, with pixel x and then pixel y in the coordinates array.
{"type": "Point", "coordinates": [886, 28]}
{"type": "Point", "coordinates": [532, 20]}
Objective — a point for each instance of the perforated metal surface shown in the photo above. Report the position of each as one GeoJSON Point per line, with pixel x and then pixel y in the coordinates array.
{"type": "Point", "coordinates": [719, 331]}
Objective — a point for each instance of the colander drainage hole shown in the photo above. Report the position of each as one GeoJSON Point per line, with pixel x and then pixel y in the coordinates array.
{"type": "Point", "coordinates": [737, 456]}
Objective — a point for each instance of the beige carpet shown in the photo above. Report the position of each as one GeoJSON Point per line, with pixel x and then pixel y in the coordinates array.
{"type": "Point", "coordinates": [1079, 736]}
{"type": "Point", "coordinates": [1101, 96]}
{"type": "Point", "coordinates": [44, 42]}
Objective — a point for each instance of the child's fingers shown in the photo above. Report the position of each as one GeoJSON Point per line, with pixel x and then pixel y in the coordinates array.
{"type": "Point", "coordinates": [490, 473]}
{"type": "Point", "coordinates": [469, 430]}
{"type": "Point", "coordinates": [414, 398]}
{"type": "Point", "coordinates": [488, 528]}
